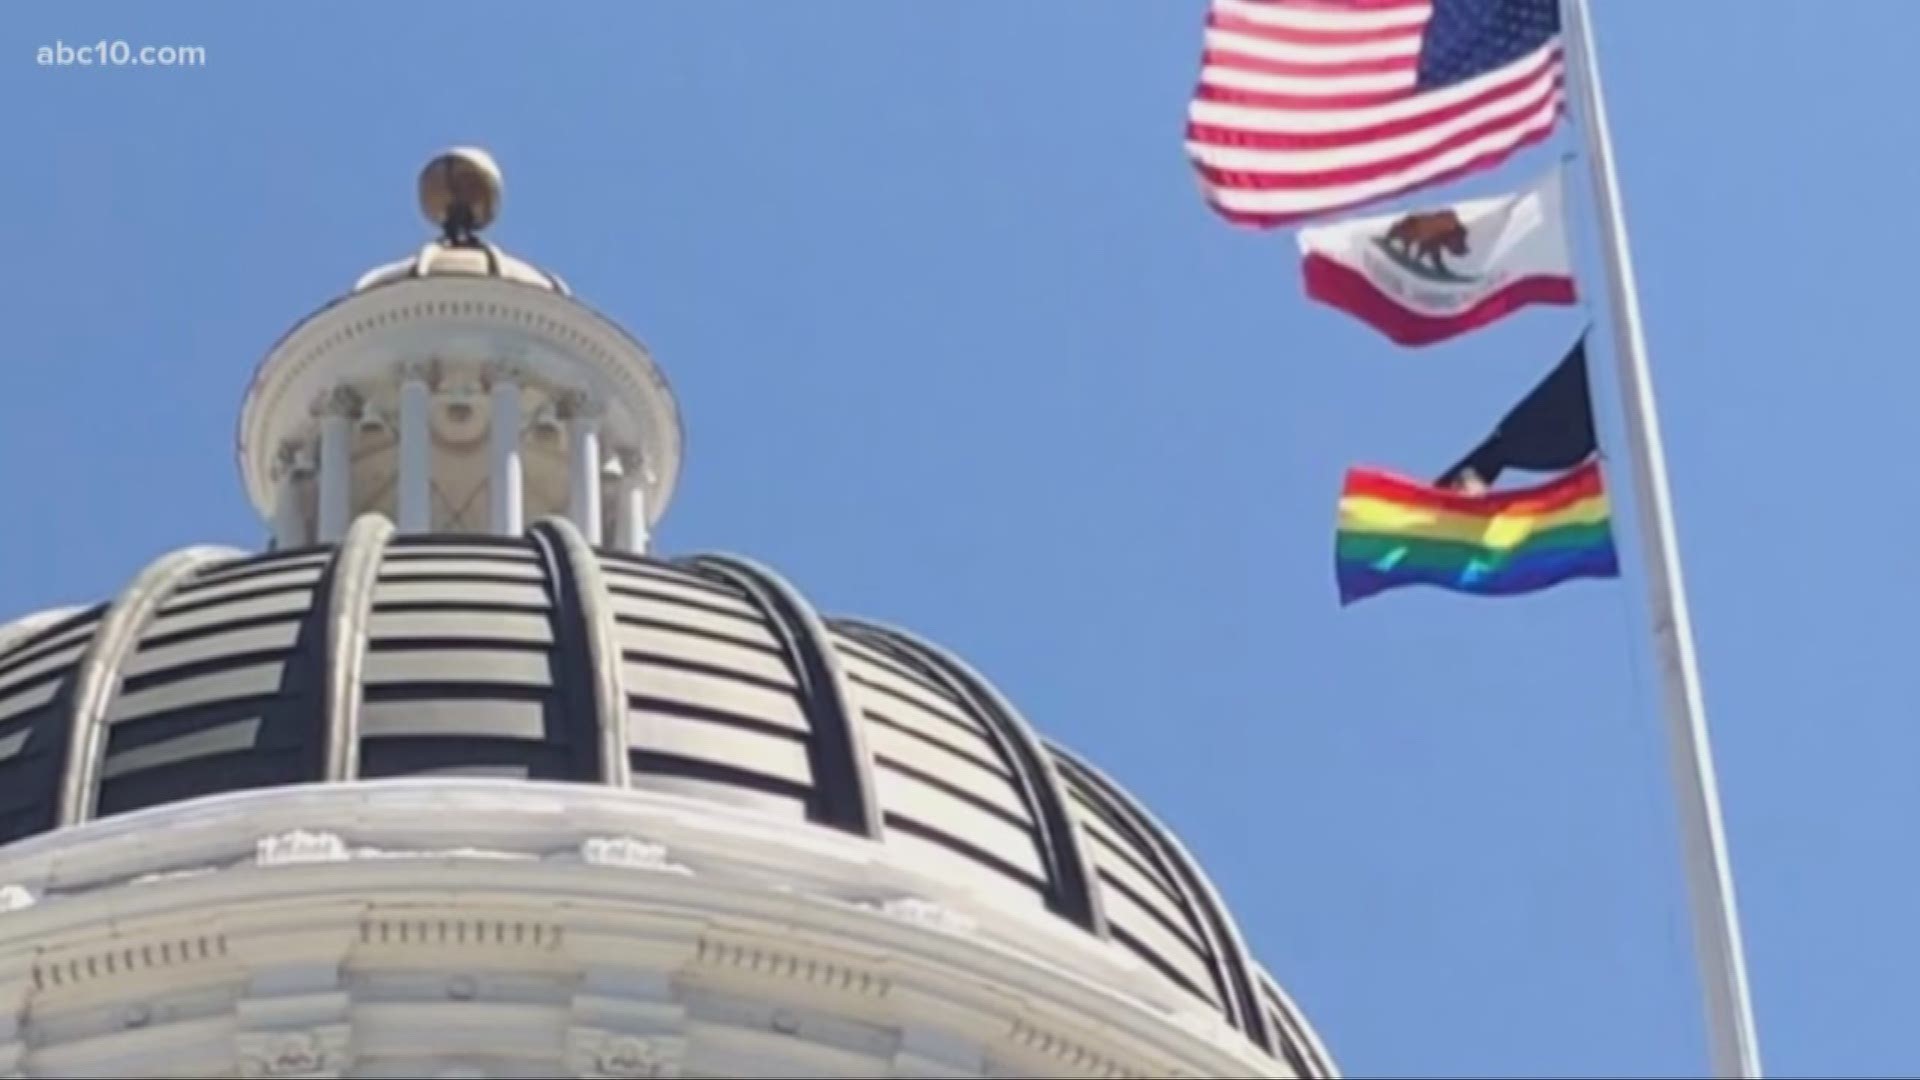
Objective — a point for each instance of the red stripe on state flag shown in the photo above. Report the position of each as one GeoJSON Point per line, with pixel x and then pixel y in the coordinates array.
{"type": "Point", "coordinates": [1429, 274]}
{"type": "Point", "coordinates": [1349, 290]}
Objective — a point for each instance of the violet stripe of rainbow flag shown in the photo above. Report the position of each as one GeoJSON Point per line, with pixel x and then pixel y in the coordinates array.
{"type": "Point", "coordinates": [1395, 533]}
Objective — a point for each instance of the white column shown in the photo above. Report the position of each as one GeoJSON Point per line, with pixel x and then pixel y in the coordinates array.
{"type": "Point", "coordinates": [613, 523]}
{"type": "Point", "coordinates": [636, 513]}
{"type": "Point", "coordinates": [504, 476]}
{"type": "Point", "coordinates": [415, 497]}
{"type": "Point", "coordinates": [632, 506]}
{"type": "Point", "coordinates": [634, 502]}
{"type": "Point", "coordinates": [337, 415]}
{"type": "Point", "coordinates": [290, 527]}
{"type": "Point", "coordinates": [582, 416]}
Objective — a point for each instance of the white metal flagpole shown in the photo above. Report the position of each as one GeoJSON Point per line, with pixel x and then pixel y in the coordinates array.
{"type": "Point", "coordinates": [1723, 972]}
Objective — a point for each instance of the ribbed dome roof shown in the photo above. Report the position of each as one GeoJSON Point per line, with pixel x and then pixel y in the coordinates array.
{"type": "Point", "coordinates": [543, 658]}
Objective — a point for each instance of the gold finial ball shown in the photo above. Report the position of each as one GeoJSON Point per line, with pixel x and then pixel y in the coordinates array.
{"type": "Point", "coordinates": [460, 190]}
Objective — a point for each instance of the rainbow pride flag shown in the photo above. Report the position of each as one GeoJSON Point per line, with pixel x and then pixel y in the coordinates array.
{"type": "Point", "coordinates": [1395, 532]}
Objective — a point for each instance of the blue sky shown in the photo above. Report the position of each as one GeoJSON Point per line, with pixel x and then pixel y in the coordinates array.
{"type": "Point", "coordinates": [960, 348]}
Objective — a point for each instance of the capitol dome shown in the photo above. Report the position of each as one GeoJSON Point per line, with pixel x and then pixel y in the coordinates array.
{"type": "Point", "coordinates": [420, 792]}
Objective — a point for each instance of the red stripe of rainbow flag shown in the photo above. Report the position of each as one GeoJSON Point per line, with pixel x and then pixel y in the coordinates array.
{"type": "Point", "coordinates": [1395, 532]}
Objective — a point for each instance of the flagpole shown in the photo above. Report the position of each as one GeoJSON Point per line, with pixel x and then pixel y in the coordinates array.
{"type": "Point", "coordinates": [1723, 973]}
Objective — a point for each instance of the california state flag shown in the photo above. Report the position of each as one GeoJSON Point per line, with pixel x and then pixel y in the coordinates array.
{"type": "Point", "coordinates": [1426, 276]}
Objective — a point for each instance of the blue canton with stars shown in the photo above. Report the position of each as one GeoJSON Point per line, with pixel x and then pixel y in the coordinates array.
{"type": "Point", "coordinates": [1465, 38]}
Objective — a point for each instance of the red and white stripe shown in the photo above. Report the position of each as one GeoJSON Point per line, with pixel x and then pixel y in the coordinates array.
{"type": "Point", "coordinates": [1306, 107]}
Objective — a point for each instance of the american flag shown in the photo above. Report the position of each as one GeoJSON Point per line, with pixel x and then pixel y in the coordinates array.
{"type": "Point", "coordinates": [1307, 107]}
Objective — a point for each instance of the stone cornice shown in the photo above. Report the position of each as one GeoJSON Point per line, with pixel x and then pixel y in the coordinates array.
{"type": "Point", "coordinates": [639, 887]}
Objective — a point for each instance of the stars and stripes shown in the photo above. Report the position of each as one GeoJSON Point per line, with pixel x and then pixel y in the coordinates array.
{"type": "Point", "coordinates": [1307, 107]}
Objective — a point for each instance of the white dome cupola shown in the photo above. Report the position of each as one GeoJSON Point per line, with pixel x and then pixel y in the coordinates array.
{"type": "Point", "coordinates": [459, 391]}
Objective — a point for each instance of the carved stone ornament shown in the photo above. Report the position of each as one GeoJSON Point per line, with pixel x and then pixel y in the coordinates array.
{"type": "Point", "coordinates": [293, 458]}
{"type": "Point", "coordinates": [286, 1053]}
{"type": "Point", "coordinates": [598, 1053]}
{"type": "Point", "coordinates": [579, 405]}
{"type": "Point", "coordinates": [300, 846]}
{"type": "Point", "coordinates": [628, 853]}
{"type": "Point", "coordinates": [443, 853]}
{"type": "Point", "coordinates": [342, 401]}
{"type": "Point", "coordinates": [627, 1057]}
{"type": "Point", "coordinates": [425, 371]}
{"type": "Point", "coordinates": [495, 372]}
{"type": "Point", "coordinates": [923, 912]}
{"type": "Point", "coordinates": [15, 898]}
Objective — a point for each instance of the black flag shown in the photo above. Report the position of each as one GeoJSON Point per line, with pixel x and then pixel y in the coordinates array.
{"type": "Point", "coordinates": [1550, 430]}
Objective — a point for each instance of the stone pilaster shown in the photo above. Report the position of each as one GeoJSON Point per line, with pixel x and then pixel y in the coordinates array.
{"type": "Point", "coordinates": [627, 1020]}
{"type": "Point", "coordinates": [941, 1036]}
{"type": "Point", "coordinates": [16, 991]}
{"type": "Point", "coordinates": [294, 1017]}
